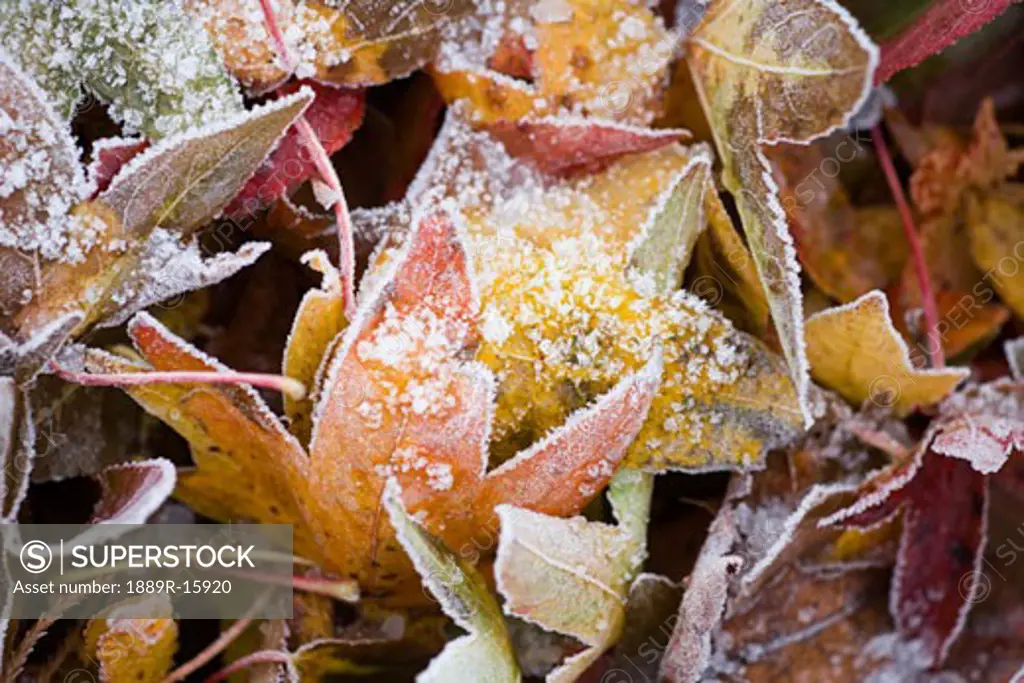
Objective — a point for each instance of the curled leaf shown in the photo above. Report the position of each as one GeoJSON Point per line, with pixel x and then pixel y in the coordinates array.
{"type": "Point", "coordinates": [777, 72]}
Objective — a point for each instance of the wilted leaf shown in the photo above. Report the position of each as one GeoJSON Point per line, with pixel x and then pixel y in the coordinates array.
{"type": "Point", "coordinates": [130, 649]}
{"type": "Point", "coordinates": [777, 72]}
{"type": "Point", "coordinates": [162, 196]}
{"type": "Point", "coordinates": [149, 61]}
{"type": "Point", "coordinates": [485, 654]}
{"type": "Point", "coordinates": [855, 350]}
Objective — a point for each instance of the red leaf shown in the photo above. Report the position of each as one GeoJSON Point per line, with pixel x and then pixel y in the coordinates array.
{"type": "Point", "coordinates": [944, 502]}
{"type": "Point", "coordinates": [568, 146]}
{"type": "Point", "coordinates": [942, 24]}
{"type": "Point", "coordinates": [334, 115]}
{"type": "Point", "coordinates": [109, 155]}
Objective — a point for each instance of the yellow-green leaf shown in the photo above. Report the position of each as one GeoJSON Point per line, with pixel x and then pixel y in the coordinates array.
{"type": "Point", "coordinates": [771, 71]}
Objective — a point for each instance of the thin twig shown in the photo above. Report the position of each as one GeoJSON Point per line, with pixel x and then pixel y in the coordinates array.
{"type": "Point", "coordinates": [931, 315]}
{"type": "Point", "coordinates": [286, 385]}
{"type": "Point", "coordinates": [261, 657]}
{"type": "Point", "coordinates": [217, 646]}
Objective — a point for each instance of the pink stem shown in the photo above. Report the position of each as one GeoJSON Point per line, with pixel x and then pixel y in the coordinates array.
{"type": "Point", "coordinates": [261, 657]}
{"type": "Point", "coordinates": [931, 314]}
{"type": "Point", "coordinates": [346, 244]}
{"type": "Point", "coordinates": [285, 385]}
{"type": "Point", "coordinates": [274, 29]}
{"type": "Point", "coordinates": [209, 652]}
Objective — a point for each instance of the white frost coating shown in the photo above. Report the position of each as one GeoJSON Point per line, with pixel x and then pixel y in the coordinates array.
{"type": "Point", "coordinates": [818, 494]}
{"type": "Point", "coordinates": [644, 382]}
{"type": "Point", "coordinates": [261, 411]}
{"type": "Point", "coordinates": [701, 157]}
{"type": "Point", "coordinates": [983, 424]}
{"type": "Point", "coordinates": [169, 269]}
{"type": "Point", "coordinates": [1014, 350]}
{"type": "Point", "coordinates": [140, 163]}
{"type": "Point", "coordinates": [38, 168]}
{"type": "Point", "coordinates": [144, 501]}
{"type": "Point", "coordinates": [104, 145]}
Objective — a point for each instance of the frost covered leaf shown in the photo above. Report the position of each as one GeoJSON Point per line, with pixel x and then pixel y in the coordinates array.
{"type": "Point", "coordinates": [704, 599]}
{"type": "Point", "coordinates": [984, 425]}
{"type": "Point", "coordinates": [941, 25]}
{"type": "Point", "coordinates": [724, 273]}
{"type": "Point", "coordinates": [148, 60]}
{"type": "Point", "coordinates": [996, 228]}
{"type": "Point", "coordinates": [334, 115]}
{"type": "Point", "coordinates": [130, 649]}
{"type": "Point", "coordinates": [773, 72]}
{"type": "Point", "coordinates": [855, 350]}
{"type": "Point", "coordinates": [564, 313]}
{"type": "Point", "coordinates": [131, 492]}
{"type": "Point", "coordinates": [398, 399]}
{"type": "Point", "coordinates": [40, 180]}
{"type": "Point", "coordinates": [485, 654]}
{"type": "Point", "coordinates": [943, 504]}
{"type": "Point", "coordinates": [17, 446]}
{"type": "Point", "coordinates": [162, 196]}
{"type": "Point", "coordinates": [109, 155]}
{"type": "Point", "coordinates": [572, 576]}
{"type": "Point", "coordinates": [667, 243]}
{"type": "Point", "coordinates": [355, 43]}
{"type": "Point", "coordinates": [567, 145]}
{"type": "Point", "coordinates": [603, 58]}
{"type": "Point", "coordinates": [317, 324]}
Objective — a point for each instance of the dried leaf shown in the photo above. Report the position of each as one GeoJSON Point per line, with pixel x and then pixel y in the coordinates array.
{"type": "Point", "coordinates": [855, 350]}
{"type": "Point", "coordinates": [777, 72]}
{"type": "Point", "coordinates": [486, 653]}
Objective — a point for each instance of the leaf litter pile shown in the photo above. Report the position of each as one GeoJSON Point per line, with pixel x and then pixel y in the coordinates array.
{"type": "Point", "coordinates": [577, 340]}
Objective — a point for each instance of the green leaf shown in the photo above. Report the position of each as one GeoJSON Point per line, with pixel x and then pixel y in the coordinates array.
{"type": "Point", "coordinates": [153, 64]}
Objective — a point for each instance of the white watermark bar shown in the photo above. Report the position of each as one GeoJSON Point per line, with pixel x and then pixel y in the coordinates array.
{"type": "Point", "coordinates": [197, 571]}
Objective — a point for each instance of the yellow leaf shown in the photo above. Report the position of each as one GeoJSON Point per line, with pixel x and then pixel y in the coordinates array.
{"type": "Point", "coordinates": [131, 649]}
{"type": "Point", "coordinates": [318, 322]}
{"type": "Point", "coordinates": [772, 71]}
{"type": "Point", "coordinates": [855, 350]}
{"type": "Point", "coordinates": [996, 224]}
{"type": "Point", "coordinates": [605, 58]}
